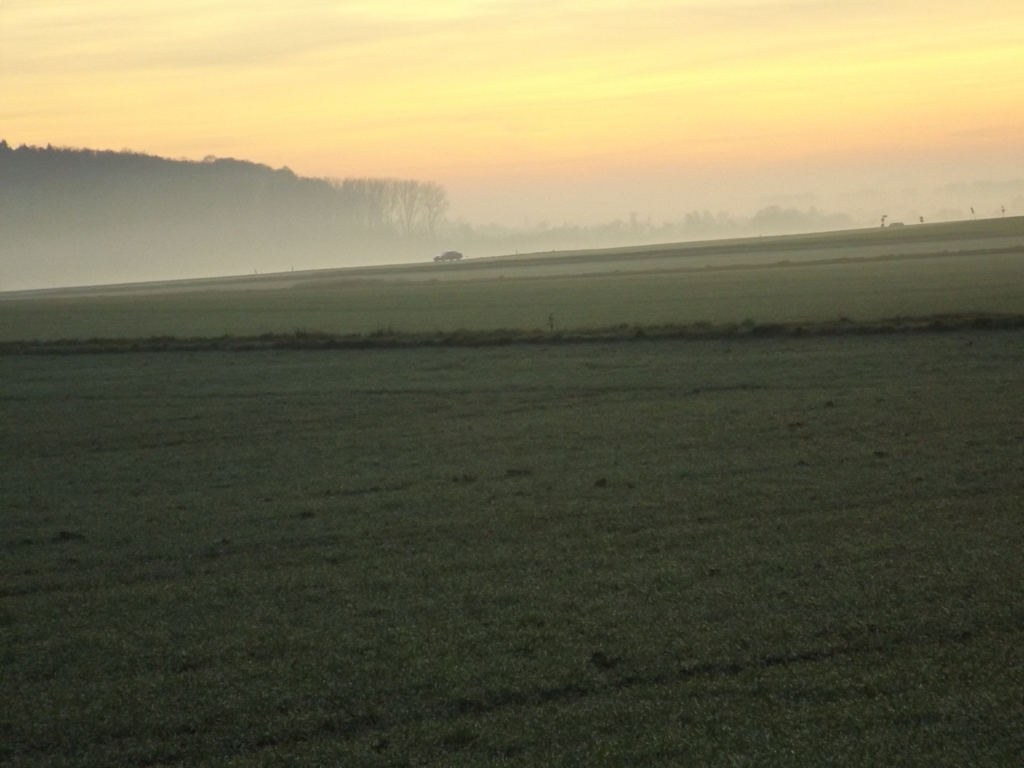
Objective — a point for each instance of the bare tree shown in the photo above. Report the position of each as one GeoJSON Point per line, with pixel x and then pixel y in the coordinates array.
{"type": "Point", "coordinates": [382, 205]}
{"type": "Point", "coordinates": [365, 203]}
{"type": "Point", "coordinates": [384, 197]}
{"type": "Point", "coordinates": [434, 200]}
{"type": "Point", "coordinates": [409, 195]}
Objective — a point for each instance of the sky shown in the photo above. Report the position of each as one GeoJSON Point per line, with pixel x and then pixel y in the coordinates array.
{"type": "Point", "coordinates": [554, 110]}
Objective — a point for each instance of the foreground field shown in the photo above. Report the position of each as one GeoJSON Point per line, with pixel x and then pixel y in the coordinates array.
{"type": "Point", "coordinates": [733, 552]}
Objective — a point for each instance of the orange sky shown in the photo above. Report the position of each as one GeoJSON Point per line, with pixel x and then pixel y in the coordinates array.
{"type": "Point", "coordinates": [492, 96]}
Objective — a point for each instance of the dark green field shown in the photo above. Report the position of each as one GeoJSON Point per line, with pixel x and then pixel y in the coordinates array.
{"type": "Point", "coordinates": [754, 549]}
{"type": "Point", "coordinates": [771, 552]}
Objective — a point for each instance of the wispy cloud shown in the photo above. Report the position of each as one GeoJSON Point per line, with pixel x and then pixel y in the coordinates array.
{"type": "Point", "coordinates": [504, 86]}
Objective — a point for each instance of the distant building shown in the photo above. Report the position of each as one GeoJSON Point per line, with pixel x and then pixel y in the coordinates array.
{"type": "Point", "coordinates": [448, 256]}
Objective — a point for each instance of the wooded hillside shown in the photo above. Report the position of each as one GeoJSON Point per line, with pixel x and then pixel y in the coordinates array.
{"type": "Point", "coordinates": [97, 213]}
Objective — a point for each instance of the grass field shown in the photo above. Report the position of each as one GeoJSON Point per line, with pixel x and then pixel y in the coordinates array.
{"type": "Point", "coordinates": [863, 275]}
{"type": "Point", "coordinates": [746, 549]}
{"type": "Point", "coordinates": [772, 552]}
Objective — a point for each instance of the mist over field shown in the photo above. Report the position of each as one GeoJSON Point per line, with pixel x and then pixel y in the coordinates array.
{"type": "Point", "coordinates": [904, 191]}
{"type": "Point", "coordinates": [84, 217]}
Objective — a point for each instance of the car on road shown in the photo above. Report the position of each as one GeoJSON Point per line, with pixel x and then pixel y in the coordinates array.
{"type": "Point", "coordinates": [448, 256]}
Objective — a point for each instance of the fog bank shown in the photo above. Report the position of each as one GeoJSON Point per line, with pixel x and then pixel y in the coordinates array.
{"type": "Point", "coordinates": [83, 217]}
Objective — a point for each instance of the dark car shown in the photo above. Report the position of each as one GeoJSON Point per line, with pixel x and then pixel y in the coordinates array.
{"type": "Point", "coordinates": [448, 256]}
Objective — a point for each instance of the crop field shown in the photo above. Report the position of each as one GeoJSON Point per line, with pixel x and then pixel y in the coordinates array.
{"type": "Point", "coordinates": [863, 275]}
{"type": "Point", "coordinates": [739, 549]}
{"type": "Point", "coordinates": [758, 552]}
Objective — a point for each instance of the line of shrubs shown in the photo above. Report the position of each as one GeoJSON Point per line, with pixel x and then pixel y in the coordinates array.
{"type": "Point", "coordinates": [390, 338]}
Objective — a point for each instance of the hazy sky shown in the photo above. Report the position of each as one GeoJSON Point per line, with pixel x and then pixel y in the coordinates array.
{"type": "Point", "coordinates": [529, 109]}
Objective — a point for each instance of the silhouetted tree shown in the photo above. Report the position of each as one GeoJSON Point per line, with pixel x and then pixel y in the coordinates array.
{"type": "Point", "coordinates": [434, 200]}
{"type": "Point", "coordinates": [409, 197]}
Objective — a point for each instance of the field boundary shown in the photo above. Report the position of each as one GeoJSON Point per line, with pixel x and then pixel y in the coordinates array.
{"type": "Point", "coordinates": [302, 339]}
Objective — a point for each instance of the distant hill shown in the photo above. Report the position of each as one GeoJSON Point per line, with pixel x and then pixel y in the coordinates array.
{"type": "Point", "coordinates": [72, 216]}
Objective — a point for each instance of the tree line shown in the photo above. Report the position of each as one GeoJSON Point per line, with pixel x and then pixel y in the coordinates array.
{"type": "Point", "coordinates": [42, 187]}
{"type": "Point", "coordinates": [80, 216]}
{"type": "Point", "coordinates": [391, 205]}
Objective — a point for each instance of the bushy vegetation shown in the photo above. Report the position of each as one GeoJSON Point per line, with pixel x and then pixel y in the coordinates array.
{"type": "Point", "coordinates": [391, 339]}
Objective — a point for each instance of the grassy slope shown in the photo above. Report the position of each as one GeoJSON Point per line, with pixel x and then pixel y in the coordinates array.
{"type": "Point", "coordinates": [648, 286]}
{"type": "Point", "coordinates": [771, 552]}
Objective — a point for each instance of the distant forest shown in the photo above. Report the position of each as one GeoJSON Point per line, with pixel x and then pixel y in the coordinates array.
{"type": "Point", "coordinates": [80, 214]}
